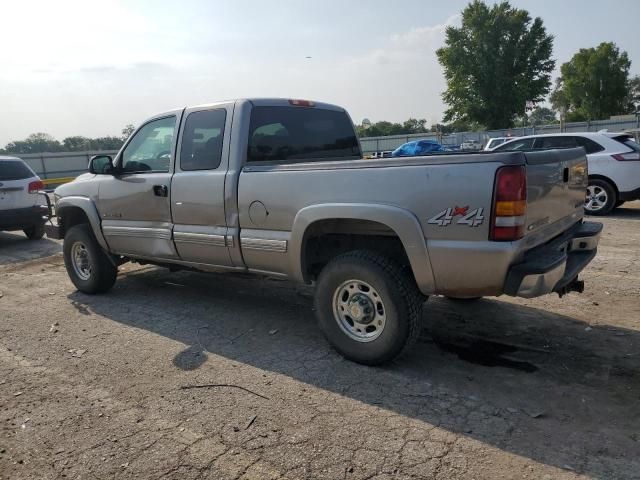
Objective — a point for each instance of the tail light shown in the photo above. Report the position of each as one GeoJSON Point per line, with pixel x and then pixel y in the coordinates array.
{"type": "Point", "coordinates": [302, 103]}
{"type": "Point", "coordinates": [509, 204]}
{"type": "Point", "coordinates": [625, 157]}
{"type": "Point", "coordinates": [35, 187]}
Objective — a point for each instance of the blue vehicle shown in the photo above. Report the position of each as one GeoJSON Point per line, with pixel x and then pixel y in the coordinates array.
{"type": "Point", "coordinates": [419, 147]}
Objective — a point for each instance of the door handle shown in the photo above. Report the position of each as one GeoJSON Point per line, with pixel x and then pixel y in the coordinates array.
{"type": "Point", "coordinates": [161, 190]}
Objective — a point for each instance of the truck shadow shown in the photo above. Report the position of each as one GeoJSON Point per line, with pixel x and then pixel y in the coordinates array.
{"type": "Point", "coordinates": [525, 380]}
{"type": "Point", "coordinates": [15, 247]}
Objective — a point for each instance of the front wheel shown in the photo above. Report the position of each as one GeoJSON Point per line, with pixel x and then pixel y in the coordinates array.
{"type": "Point", "coordinates": [367, 307]}
{"type": "Point", "coordinates": [601, 197]}
{"type": "Point", "coordinates": [88, 266]}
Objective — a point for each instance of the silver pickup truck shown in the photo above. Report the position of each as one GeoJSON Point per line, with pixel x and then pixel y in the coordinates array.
{"type": "Point", "coordinates": [279, 187]}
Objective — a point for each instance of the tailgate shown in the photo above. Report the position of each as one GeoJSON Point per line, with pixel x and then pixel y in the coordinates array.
{"type": "Point", "coordinates": [556, 185]}
{"type": "Point", "coordinates": [13, 194]}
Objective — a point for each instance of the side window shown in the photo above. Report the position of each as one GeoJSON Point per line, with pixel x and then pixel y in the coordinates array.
{"type": "Point", "coordinates": [294, 134]}
{"type": "Point", "coordinates": [150, 148]}
{"type": "Point", "coordinates": [555, 142]}
{"type": "Point", "coordinates": [589, 145]}
{"type": "Point", "coordinates": [524, 144]}
{"type": "Point", "coordinates": [202, 140]}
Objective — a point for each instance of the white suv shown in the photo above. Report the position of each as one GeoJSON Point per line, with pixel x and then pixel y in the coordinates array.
{"type": "Point", "coordinates": [21, 198]}
{"type": "Point", "coordinates": [614, 164]}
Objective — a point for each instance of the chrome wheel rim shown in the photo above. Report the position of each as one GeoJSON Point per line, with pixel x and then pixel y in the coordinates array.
{"type": "Point", "coordinates": [596, 198]}
{"type": "Point", "coordinates": [359, 310]}
{"type": "Point", "coordinates": [80, 260]}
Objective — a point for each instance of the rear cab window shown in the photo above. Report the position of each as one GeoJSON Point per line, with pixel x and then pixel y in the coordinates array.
{"type": "Point", "coordinates": [14, 170]}
{"type": "Point", "coordinates": [300, 134]}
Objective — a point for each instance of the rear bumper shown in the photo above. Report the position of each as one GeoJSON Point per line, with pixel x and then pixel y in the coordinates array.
{"type": "Point", "coordinates": [554, 267]}
{"type": "Point", "coordinates": [630, 196]}
{"type": "Point", "coordinates": [20, 218]}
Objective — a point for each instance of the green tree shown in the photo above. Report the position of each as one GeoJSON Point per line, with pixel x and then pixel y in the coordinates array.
{"type": "Point", "coordinates": [594, 84]}
{"type": "Point", "coordinates": [633, 94]}
{"type": "Point", "coordinates": [497, 60]}
{"type": "Point", "coordinates": [34, 143]}
{"type": "Point", "coordinates": [384, 128]}
{"type": "Point", "coordinates": [76, 143]}
{"type": "Point", "coordinates": [127, 131]}
{"type": "Point", "coordinates": [541, 116]}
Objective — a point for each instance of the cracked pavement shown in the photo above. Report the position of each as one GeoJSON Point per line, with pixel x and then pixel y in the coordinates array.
{"type": "Point", "coordinates": [91, 387]}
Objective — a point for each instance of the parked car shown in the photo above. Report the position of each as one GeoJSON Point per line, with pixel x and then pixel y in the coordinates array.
{"type": "Point", "coordinates": [492, 143]}
{"type": "Point", "coordinates": [470, 145]}
{"type": "Point", "coordinates": [614, 164]}
{"type": "Point", "coordinates": [279, 187]}
{"type": "Point", "coordinates": [417, 148]}
{"type": "Point", "coordinates": [21, 199]}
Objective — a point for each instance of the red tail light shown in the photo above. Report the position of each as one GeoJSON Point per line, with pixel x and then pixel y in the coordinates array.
{"type": "Point", "coordinates": [626, 157]}
{"type": "Point", "coordinates": [302, 103]}
{"type": "Point", "coordinates": [35, 187]}
{"type": "Point", "coordinates": [509, 204]}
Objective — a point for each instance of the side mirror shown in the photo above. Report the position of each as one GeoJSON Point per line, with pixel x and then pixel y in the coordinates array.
{"type": "Point", "coordinates": [101, 165]}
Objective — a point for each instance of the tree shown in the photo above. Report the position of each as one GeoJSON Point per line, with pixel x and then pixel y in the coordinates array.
{"type": "Point", "coordinates": [34, 143]}
{"type": "Point", "coordinates": [633, 94]}
{"type": "Point", "coordinates": [127, 131]}
{"type": "Point", "coordinates": [542, 116]}
{"type": "Point", "coordinates": [384, 128]}
{"type": "Point", "coordinates": [497, 60]}
{"type": "Point", "coordinates": [76, 143]}
{"type": "Point", "coordinates": [594, 84]}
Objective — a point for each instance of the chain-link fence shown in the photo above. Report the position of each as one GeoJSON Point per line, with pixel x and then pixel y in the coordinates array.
{"type": "Point", "coordinates": [383, 144]}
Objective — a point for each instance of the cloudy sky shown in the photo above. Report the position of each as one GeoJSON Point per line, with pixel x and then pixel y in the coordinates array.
{"type": "Point", "coordinates": [79, 67]}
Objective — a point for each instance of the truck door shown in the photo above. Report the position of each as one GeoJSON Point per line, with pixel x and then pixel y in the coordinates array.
{"type": "Point", "coordinates": [197, 189]}
{"type": "Point", "coordinates": [134, 203]}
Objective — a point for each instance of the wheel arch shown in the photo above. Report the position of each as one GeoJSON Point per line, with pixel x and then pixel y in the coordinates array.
{"type": "Point", "coordinates": [597, 176]}
{"type": "Point", "coordinates": [394, 222]}
{"type": "Point", "coordinates": [75, 210]}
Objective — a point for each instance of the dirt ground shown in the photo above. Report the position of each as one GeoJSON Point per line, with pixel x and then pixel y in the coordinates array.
{"type": "Point", "coordinates": [93, 387]}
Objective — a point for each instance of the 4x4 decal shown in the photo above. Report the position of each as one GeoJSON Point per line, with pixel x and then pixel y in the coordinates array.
{"type": "Point", "coordinates": [446, 217]}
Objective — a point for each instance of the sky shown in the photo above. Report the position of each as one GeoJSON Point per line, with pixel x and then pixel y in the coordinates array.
{"type": "Point", "coordinates": [81, 67]}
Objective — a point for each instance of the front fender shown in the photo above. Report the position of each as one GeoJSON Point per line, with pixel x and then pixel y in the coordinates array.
{"type": "Point", "coordinates": [90, 210]}
{"type": "Point", "coordinates": [401, 221]}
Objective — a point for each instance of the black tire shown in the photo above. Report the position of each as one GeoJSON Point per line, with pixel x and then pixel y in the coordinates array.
{"type": "Point", "coordinates": [102, 273]}
{"type": "Point", "coordinates": [401, 301]}
{"type": "Point", "coordinates": [463, 299]}
{"type": "Point", "coordinates": [35, 232]}
{"type": "Point", "coordinates": [619, 203]}
{"type": "Point", "coordinates": [611, 197]}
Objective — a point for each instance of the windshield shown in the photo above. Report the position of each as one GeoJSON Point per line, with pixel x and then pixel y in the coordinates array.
{"type": "Point", "coordinates": [14, 170]}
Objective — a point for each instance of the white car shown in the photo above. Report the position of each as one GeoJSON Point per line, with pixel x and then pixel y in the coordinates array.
{"type": "Point", "coordinates": [494, 142]}
{"type": "Point", "coordinates": [613, 159]}
{"type": "Point", "coordinates": [470, 145]}
{"type": "Point", "coordinates": [21, 198]}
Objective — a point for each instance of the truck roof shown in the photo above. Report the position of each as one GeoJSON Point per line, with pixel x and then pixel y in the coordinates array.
{"type": "Point", "coordinates": [259, 102]}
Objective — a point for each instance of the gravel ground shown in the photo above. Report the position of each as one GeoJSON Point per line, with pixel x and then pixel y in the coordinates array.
{"type": "Point", "coordinates": [96, 387]}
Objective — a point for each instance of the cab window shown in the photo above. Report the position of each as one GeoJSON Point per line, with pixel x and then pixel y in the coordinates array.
{"type": "Point", "coordinates": [295, 134]}
{"type": "Point", "coordinates": [150, 148]}
{"type": "Point", "coordinates": [202, 140]}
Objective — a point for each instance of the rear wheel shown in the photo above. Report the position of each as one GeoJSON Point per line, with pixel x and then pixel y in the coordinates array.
{"type": "Point", "coordinates": [601, 197]}
{"type": "Point", "coordinates": [35, 232]}
{"type": "Point", "coordinates": [367, 308]}
{"type": "Point", "coordinates": [88, 266]}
